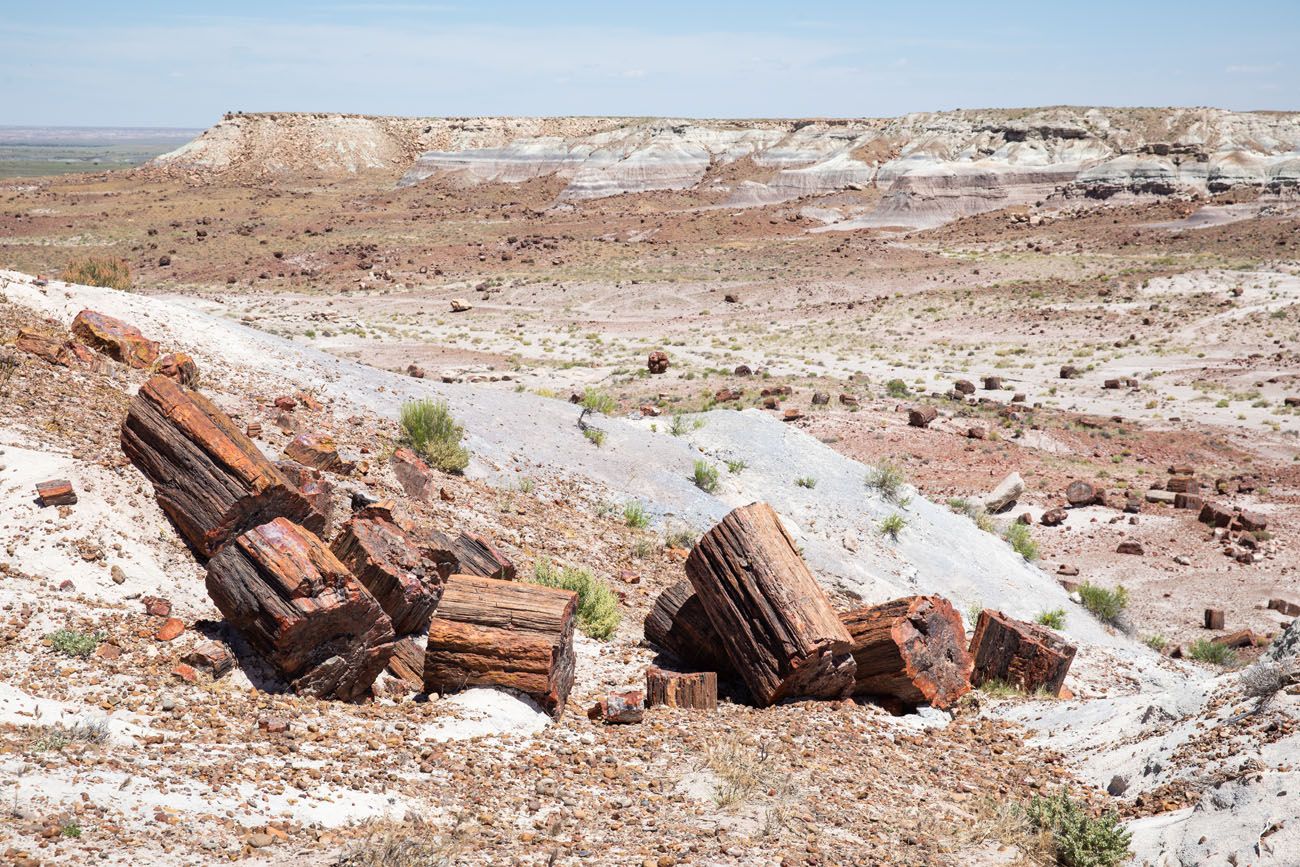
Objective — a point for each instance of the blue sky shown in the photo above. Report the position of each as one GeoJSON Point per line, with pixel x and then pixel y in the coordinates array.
{"type": "Point", "coordinates": [125, 63]}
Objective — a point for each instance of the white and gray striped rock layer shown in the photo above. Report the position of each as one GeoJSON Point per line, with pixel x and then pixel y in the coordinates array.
{"type": "Point", "coordinates": [925, 168]}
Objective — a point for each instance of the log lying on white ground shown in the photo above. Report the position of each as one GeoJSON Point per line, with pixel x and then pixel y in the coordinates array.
{"type": "Point", "coordinates": [1024, 655]}
{"type": "Point", "coordinates": [913, 649]}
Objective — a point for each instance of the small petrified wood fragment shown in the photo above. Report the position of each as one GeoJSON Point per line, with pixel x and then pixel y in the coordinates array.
{"type": "Point", "coordinates": [115, 338]}
{"type": "Point", "coordinates": [692, 690]}
{"type": "Point", "coordinates": [467, 554]}
{"type": "Point", "coordinates": [391, 567]}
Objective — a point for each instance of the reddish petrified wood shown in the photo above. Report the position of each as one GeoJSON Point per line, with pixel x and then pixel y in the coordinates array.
{"type": "Point", "coordinates": [180, 367]}
{"type": "Point", "coordinates": [210, 479]}
{"type": "Point", "coordinates": [1079, 493]}
{"type": "Point", "coordinates": [1183, 485]}
{"type": "Point", "coordinates": [1215, 515]}
{"type": "Point", "coordinates": [1025, 655]}
{"type": "Point", "coordinates": [913, 649]}
{"type": "Point", "coordinates": [466, 554]}
{"type": "Point", "coordinates": [317, 451]}
{"type": "Point", "coordinates": [694, 690]}
{"type": "Point", "coordinates": [619, 708]}
{"type": "Point", "coordinates": [1240, 638]}
{"type": "Point", "coordinates": [1284, 607]}
{"type": "Point", "coordinates": [392, 568]}
{"type": "Point", "coordinates": [56, 492]}
{"type": "Point", "coordinates": [51, 349]}
{"type": "Point", "coordinates": [414, 475]}
{"type": "Point", "coordinates": [775, 622]}
{"type": "Point", "coordinates": [115, 338]}
{"type": "Point", "coordinates": [487, 632]}
{"type": "Point", "coordinates": [678, 625]}
{"type": "Point", "coordinates": [314, 486]}
{"type": "Point", "coordinates": [1213, 618]}
{"type": "Point", "coordinates": [407, 663]}
{"type": "Point", "coordinates": [213, 656]}
{"type": "Point", "coordinates": [921, 416]}
{"type": "Point", "coordinates": [302, 610]}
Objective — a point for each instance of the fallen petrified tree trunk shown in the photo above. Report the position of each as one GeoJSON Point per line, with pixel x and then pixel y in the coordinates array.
{"type": "Point", "coordinates": [391, 567]}
{"type": "Point", "coordinates": [467, 554]}
{"type": "Point", "coordinates": [487, 632]}
{"type": "Point", "coordinates": [913, 649]}
{"type": "Point", "coordinates": [210, 479]}
{"type": "Point", "coordinates": [1024, 655]}
{"type": "Point", "coordinates": [302, 610]}
{"type": "Point", "coordinates": [775, 622]}
{"type": "Point", "coordinates": [677, 624]}
{"type": "Point", "coordinates": [695, 691]}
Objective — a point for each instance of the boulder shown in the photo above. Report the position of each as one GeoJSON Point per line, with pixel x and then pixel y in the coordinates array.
{"type": "Point", "coordinates": [1005, 494]}
{"type": "Point", "coordinates": [1079, 493]}
{"type": "Point", "coordinates": [657, 362]}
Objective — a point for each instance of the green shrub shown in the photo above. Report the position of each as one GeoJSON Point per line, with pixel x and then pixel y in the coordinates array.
{"type": "Point", "coordinates": [597, 401]}
{"type": "Point", "coordinates": [705, 476]}
{"type": "Point", "coordinates": [681, 537]}
{"type": "Point", "coordinates": [98, 271]}
{"type": "Point", "coordinates": [1017, 536]}
{"type": "Point", "coordinates": [1156, 642]}
{"type": "Point", "coordinates": [598, 614]}
{"type": "Point", "coordinates": [679, 427]}
{"type": "Point", "coordinates": [72, 829]}
{"type": "Point", "coordinates": [887, 480]}
{"type": "Point", "coordinates": [429, 427]}
{"type": "Point", "coordinates": [736, 465]}
{"type": "Point", "coordinates": [892, 526]}
{"type": "Point", "coordinates": [1105, 605]}
{"type": "Point", "coordinates": [635, 515]}
{"type": "Point", "coordinates": [1054, 619]}
{"type": "Point", "coordinates": [73, 643]}
{"type": "Point", "coordinates": [1215, 654]}
{"type": "Point", "coordinates": [594, 435]}
{"type": "Point", "coordinates": [806, 482]}
{"type": "Point", "coordinates": [1079, 840]}
{"type": "Point", "coordinates": [896, 388]}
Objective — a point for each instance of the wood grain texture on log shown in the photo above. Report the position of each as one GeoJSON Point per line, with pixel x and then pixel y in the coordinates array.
{"type": "Point", "coordinates": [210, 479]}
{"type": "Point", "coordinates": [488, 632]}
{"type": "Point", "coordinates": [691, 690]}
{"type": "Point", "coordinates": [678, 625]}
{"type": "Point", "coordinates": [302, 610]}
{"type": "Point", "coordinates": [775, 622]}
{"type": "Point", "coordinates": [913, 649]}
{"type": "Point", "coordinates": [467, 554]}
{"type": "Point", "coordinates": [1025, 655]}
{"type": "Point", "coordinates": [407, 662]}
{"type": "Point", "coordinates": [392, 568]}
{"type": "Point", "coordinates": [315, 488]}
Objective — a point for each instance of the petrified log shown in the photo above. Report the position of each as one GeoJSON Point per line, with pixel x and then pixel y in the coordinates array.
{"type": "Point", "coordinates": [467, 554]}
{"type": "Point", "coordinates": [115, 338]}
{"type": "Point", "coordinates": [921, 416]}
{"type": "Point", "coordinates": [694, 690]}
{"type": "Point", "coordinates": [408, 659]}
{"type": "Point", "coordinates": [1022, 654]}
{"type": "Point", "coordinates": [414, 475]}
{"type": "Point", "coordinates": [487, 632]}
{"type": "Point", "coordinates": [384, 559]}
{"type": "Point", "coordinates": [619, 708]}
{"type": "Point", "coordinates": [913, 649]}
{"type": "Point", "coordinates": [180, 367]}
{"type": "Point", "coordinates": [775, 622]}
{"type": "Point", "coordinates": [1213, 618]}
{"type": "Point", "coordinates": [51, 349]}
{"type": "Point", "coordinates": [319, 452]}
{"type": "Point", "coordinates": [56, 492]}
{"type": "Point", "coordinates": [1284, 607]}
{"type": "Point", "coordinates": [1240, 638]}
{"type": "Point", "coordinates": [1215, 515]}
{"type": "Point", "coordinates": [302, 610]}
{"type": "Point", "coordinates": [210, 479]}
{"type": "Point", "coordinates": [677, 624]}
{"type": "Point", "coordinates": [1079, 493]}
{"type": "Point", "coordinates": [1183, 485]}
{"type": "Point", "coordinates": [312, 484]}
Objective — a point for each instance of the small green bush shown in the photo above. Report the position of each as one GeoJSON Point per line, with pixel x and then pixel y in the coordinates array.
{"type": "Point", "coordinates": [806, 482]}
{"type": "Point", "coordinates": [598, 614]}
{"type": "Point", "coordinates": [1054, 619]}
{"type": "Point", "coordinates": [1156, 642]}
{"type": "Point", "coordinates": [682, 537]}
{"type": "Point", "coordinates": [594, 435]}
{"type": "Point", "coordinates": [896, 388]}
{"type": "Point", "coordinates": [429, 427]}
{"type": "Point", "coordinates": [736, 465]}
{"type": "Point", "coordinates": [72, 829]}
{"type": "Point", "coordinates": [98, 271]}
{"type": "Point", "coordinates": [705, 476]}
{"type": "Point", "coordinates": [1215, 654]}
{"type": "Point", "coordinates": [73, 643]}
{"type": "Point", "coordinates": [679, 427]}
{"type": "Point", "coordinates": [635, 515]}
{"type": "Point", "coordinates": [597, 401]}
{"type": "Point", "coordinates": [1079, 840]}
{"type": "Point", "coordinates": [892, 526]}
{"type": "Point", "coordinates": [887, 480]}
{"type": "Point", "coordinates": [1017, 536]}
{"type": "Point", "coordinates": [1106, 605]}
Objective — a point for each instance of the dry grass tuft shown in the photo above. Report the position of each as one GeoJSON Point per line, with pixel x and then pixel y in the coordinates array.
{"type": "Point", "coordinates": [409, 844]}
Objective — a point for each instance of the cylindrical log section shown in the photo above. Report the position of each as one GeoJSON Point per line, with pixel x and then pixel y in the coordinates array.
{"type": "Point", "coordinates": [210, 479]}
{"type": "Point", "coordinates": [391, 567]}
{"type": "Point", "coordinates": [677, 625]}
{"type": "Point", "coordinates": [775, 622]}
{"type": "Point", "coordinates": [488, 632]}
{"type": "Point", "coordinates": [694, 690]}
{"type": "Point", "coordinates": [1024, 655]}
{"type": "Point", "coordinates": [913, 649]}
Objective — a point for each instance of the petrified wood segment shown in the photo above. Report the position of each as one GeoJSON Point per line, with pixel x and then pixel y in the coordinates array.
{"type": "Point", "coordinates": [775, 622]}
{"type": "Point", "coordinates": [302, 610]}
{"type": "Point", "coordinates": [408, 660]}
{"type": "Point", "coordinates": [678, 625]}
{"type": "Point", "coordinates": [694, 691]}
{"type": "Point", "coordinates": [414, 475]}
{"type": "Point", "coordinates": [913, 649]}
{"type": "Point", "coordinates": [115, 338]}
{"type": "Point", "coordinates": [1022, 654]}
{"type": "Point", "coordinates": [487, 632]}
{"type": "Point", "coordinates": [209, 478]}
{"type": "Point", "coordinates": [313, 485]}
{"type": "Point", "coordinates": [391, 567]}
{"type": "Point", "coordinates": [56, 492]}
{"type": "Point", "coordinates": [467, 554]}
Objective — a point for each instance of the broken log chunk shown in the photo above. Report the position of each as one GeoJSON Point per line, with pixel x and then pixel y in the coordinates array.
{"type": "Point", "coordinates": [383, 558]}
{"type": "Point", "coordinates": [1188, 501]}
{"type": "Point", "coordinates": [1025, 655]}
{"type": "Point", "coordinates": [693, 690]}
{"type": "Point", "coordinates": [312, 484]}
{"type": "Point", "coordinates": [56, 492]}
{"type": "Point", "coordinates": [487, 632]}
{"type": "Point", "coordinates": [1215, 515]}
{"type": "Point", "coordinates": [1285, 608]}
{"type": "Point", "coordinates": [1252, 522]}
{"type": "Point", "coordinates": [776, 624]}
{"type": "Point", "coordinates": [407, 663]}
{"type": "Point", "coordinates": [180, 367]}
{"type": "Point", "coordinates": [1240, 638]}
{"type": "Point", "coordinates": [43, 346]}
{"type": "Point", "coordinates": [467, 554]}
{"type": "Point", "coordinates": [319, 452]}
{"type": "Point", "coordinates": [209, 478]}
{"type": "Point", "coordinates": [913, 649]}
{"type": "Point", "coordinates": [618, 708]}
{"type": "Point", "coordinates": [212, 656]}
{"type": "Point", "coordinates": [115, 338]}
{"type": "Point", "coordinates": [1183, 485]}
{"type": "Point", "coordinates": [921, 416]}
{"type": "Point", "coordinates": [302, 610]}
{"type": "Point", "coordinates": [1213, 618]}
{"type": "Point", "coordinates": [414, 475]}
{"type": "Point", "coordinates": [1080, 493]}
{"type": "Point", "coordinates": [678, 625]}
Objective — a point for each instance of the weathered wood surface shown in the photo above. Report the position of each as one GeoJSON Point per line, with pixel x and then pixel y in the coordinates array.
{"type": "Point", "coordinates": [913, 649]}
{"type": "Point", "coordinates": [775, 622]}
{"type": "Point", "coordinates": [678, 625]}
{"type": "Point", "coordinates": [314, 486]}
{"type": "Point", "coordinates": [302, 610]}
{"type": "Point", "coordinates": [407, 662]}
{"type": "Point", "coordinates": [115, 338]}
{"type": "Point", "coordinates": [691, 690]}
{"type": "Point", "coordinates": [56, 492]}
{"type": "Point", "coordinates": [210, 479]}
{"type": "Point", "coordinates": [392, 568]}
{"type": "Point", "coordinates": [414, 475]}
{"type": "Point", "coordinates": [1025, 655]}
{"type": "Point", "coordinates": [467, 554]}
{"type": "Point", "coordinates": [488, 632]}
